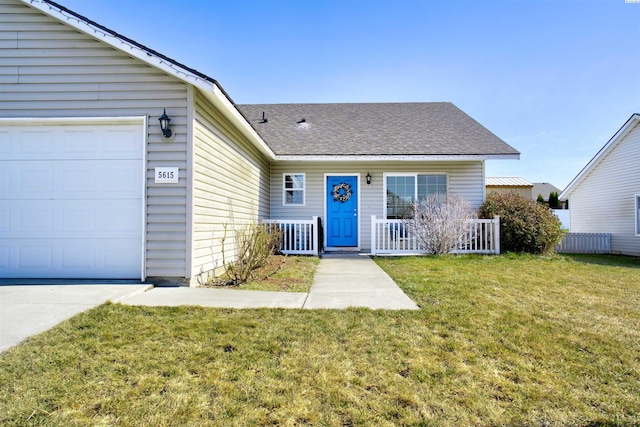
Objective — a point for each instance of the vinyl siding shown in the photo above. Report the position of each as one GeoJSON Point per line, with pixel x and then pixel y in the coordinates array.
{"type": "Point", "coordinates": [466, 178]}
{"type": "Point", "coordinates": [604, 202]}
{"type": "Point", "coordinates": [230, 186]}
{"type": "Point", "coordinates": [49, 69]}
{"type": "Point", "coordinates": [524, 192]}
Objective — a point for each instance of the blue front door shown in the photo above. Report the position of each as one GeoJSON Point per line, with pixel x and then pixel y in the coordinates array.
{"type": "Point", "coordinates": [342, 211]}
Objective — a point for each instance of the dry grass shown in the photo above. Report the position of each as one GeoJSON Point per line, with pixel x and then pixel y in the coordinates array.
{"type": "Point", "coordinates": [508, 340]}
{"type": "Point", "coordinates": [281, 274]}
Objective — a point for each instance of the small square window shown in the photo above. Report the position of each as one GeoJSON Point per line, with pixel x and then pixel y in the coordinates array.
{"type": "Point", "coordinates": [293, 189]}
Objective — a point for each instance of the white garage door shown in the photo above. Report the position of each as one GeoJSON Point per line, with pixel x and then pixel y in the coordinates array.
{"type": "Point", "coordinates": [71, 200]}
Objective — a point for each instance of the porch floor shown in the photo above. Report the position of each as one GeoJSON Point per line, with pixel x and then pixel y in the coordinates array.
{"type": "Point", "coordinates": [341, 281]}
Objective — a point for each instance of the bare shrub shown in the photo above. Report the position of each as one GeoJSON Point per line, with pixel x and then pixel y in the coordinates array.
{"type": "Point", "coordinates": [439, 224]}
{"type": "Point", "coordinates": [254, 245]}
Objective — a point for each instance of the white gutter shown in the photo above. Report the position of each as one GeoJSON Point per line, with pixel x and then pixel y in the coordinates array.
{"type": "Point", "coordinates": [220, 99]}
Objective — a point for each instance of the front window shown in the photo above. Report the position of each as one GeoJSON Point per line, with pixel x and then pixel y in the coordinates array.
{"type": "Point", "coordinates": [403, 190]}
{"type": "Point", "coordinates": [293, 189]}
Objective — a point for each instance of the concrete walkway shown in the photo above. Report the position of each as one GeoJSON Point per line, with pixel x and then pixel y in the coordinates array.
{"type": "Point", "coordinates": [28, 307]}
{"type": "Point", "coordinates": [341, 281]}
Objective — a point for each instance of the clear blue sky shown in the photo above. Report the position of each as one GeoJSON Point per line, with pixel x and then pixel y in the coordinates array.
{"type": "Point", "coordinates": [555, 79]}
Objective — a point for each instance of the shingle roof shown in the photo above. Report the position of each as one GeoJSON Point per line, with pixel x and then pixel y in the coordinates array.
{"type": "Point", "coordinates": [413, 129]}
{"type": "Point", "coordinates": [507, 181]}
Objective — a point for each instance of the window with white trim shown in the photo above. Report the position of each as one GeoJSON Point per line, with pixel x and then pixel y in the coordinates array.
{"type": "Point", "coordinates": [403, 189]}
{"type": "Point", "coordinates": [293, 189]}
{"type": "Point", "coordinates": [637, 214]}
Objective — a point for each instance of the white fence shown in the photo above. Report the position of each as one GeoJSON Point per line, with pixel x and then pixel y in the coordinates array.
{"type": "Point", "coordinates": [392, 236]}
{"type": "Point", "coordinates": [564, 217]}
{"type": "Point", "coordinates": [585, 243]}
{"type": "Point", "coordinates": [299, 237]}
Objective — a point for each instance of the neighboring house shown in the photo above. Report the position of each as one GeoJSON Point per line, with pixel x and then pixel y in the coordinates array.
{"type": "Point", "coordinates": [543, 189]}
{"type": "Point", "coordinates": [605, 196]}
{"type": "Point", "coordinates": [502, 185]}
{"type": "Point", "coordinates": [91, 188]}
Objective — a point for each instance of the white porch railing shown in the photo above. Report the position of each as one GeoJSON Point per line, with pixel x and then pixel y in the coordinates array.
{"type": "Point", "coordinates": [299, 237]}
{"type": "Point", "coordinates": [392, 236]}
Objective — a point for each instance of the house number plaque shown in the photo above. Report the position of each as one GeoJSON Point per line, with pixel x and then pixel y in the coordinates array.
{"type": "Point", "coordinates": [166, 175]}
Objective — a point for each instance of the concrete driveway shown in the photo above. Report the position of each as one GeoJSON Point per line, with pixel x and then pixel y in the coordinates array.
{"type": "Point", "coordinates": [27, 310]}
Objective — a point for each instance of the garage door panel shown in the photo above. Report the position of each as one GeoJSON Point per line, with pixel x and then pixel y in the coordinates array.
{"type": "Point", "coordinates": [77, 257]}
{"type": "Point", "coordinates": [36, 143]}
{"type": "Point", "coordinates": [36, 256]}
{"type": "Point", "coordinates": [34, 218]}
{"type": "Point", "coordinates": [71, 142]}
{"type": "Point", "coordinates": [5, 142]}
{"type": "Point", "coordinates": [71, 258]}
{"type": "Point", "coordinates": [70, 179]}
{"type": "Point", "coordinates": [71, 201]}
{"type": "Point", "coordinates": [4, 258]}
{"type": "Point", "coordinates": [89, 219]}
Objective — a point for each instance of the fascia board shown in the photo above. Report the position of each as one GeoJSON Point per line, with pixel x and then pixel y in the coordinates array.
{"type": "Point", "coordinates": [402, 158]}
{"type": "Point", "coordinates": [121, 45]}
{"type": "Point", "coordinates": [604, 151]}
{"type": "Point", "coordinates": [221, 101]}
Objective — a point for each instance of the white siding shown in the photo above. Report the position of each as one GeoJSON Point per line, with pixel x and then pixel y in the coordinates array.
{"type": "Point", "coordinates": [465, 178]}
{"type": "Point", "coordinates": [524, 192]}
{"type": "Point", "coordinates": [230, 186]}
{"type": "Point", "coordinates": [49, 69]}
{"type": "Point", "coordinates": [604, 201]}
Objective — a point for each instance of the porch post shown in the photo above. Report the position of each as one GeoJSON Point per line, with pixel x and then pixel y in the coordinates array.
{"type": "Point", "coordinates": [373, 235]}
{"type": "Point", "coordinates": [314, 236]}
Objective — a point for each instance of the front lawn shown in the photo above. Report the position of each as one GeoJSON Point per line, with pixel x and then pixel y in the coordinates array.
{"type": "Point", "coordinates": [506, 340]}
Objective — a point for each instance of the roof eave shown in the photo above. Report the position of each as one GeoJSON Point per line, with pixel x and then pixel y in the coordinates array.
{"type": "Point", "coordinates": [615, 139]}
{"type": "Point", "coordinates": [122, 43]}
{"type": "Point", "coordinates": [221, 100]}
{"type": "Point", "coordinates": [209, 86]}
{"type": "Point", "coordinates": [391, 158]}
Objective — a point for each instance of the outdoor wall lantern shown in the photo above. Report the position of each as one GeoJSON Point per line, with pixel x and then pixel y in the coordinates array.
{"type": "Point", "coordinates": [368, 178]}
{"type": "Point", "coordinates": [164, 124]}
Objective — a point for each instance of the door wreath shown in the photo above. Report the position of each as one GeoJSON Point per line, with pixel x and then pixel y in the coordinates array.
{"type": "Point", "coordinates": [341, 192]}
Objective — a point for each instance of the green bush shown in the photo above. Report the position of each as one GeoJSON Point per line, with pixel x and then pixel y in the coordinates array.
{"type": "Point", "coordinates": [554, 202]}
{"type": "Point", "coordinates": [525, 225]}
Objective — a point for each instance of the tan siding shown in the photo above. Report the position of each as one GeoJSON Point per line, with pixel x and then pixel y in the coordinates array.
{"type": "Point", "coordinates": [604, 201]}
{"type": "Point", "coordinates": [49, 69]}
{"type": "Point", "coordinates": [524, 192]}
{"type": "Point", "coordinates": [463, 177]}
{"type": "Point", "coordinates": [230, 186]}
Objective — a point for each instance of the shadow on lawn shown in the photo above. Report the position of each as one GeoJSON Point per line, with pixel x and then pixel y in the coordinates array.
{"type": "Point", "coordinates": [613, 260]}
